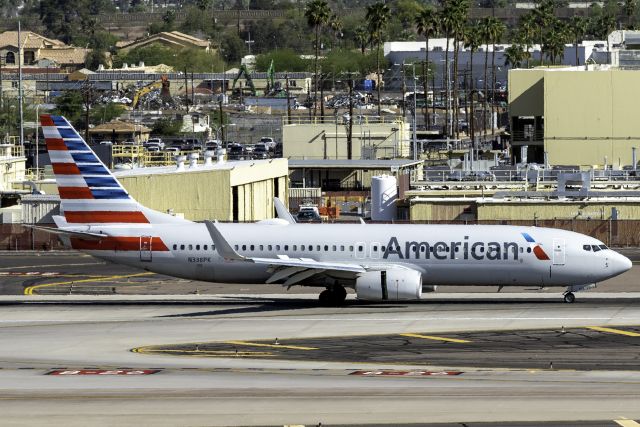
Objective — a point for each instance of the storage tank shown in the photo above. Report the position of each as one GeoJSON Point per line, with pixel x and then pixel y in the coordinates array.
{"type": "Point", "coordinates": [384, 191]}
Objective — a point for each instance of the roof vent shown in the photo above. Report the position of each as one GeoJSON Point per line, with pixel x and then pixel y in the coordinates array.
{"type": "Point", "coordinates": [208, 155]}
{"type": "Point", "coordinates": [193, 160]}
{"type": "Point", "coordinates": [221, 153]}
{"type": "Point", "coordinates": [180, 162]}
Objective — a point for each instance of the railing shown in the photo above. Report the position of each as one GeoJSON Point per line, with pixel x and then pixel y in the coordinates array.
{"type": "Point", "coordinates": [340, 121]}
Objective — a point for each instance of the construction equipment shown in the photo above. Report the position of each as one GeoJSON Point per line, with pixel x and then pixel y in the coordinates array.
{"type": "Point", "coordinates": [162, 84]}
{"type": "Point", "coordinates": [247, 76]}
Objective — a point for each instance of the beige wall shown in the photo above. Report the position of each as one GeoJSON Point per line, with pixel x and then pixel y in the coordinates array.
{"type": "Point", "coordinates": [309, 141]}
{"type": "Point", "coordinates": [207, 194]}
{"type": "Point", "coordinates": [588, 115]}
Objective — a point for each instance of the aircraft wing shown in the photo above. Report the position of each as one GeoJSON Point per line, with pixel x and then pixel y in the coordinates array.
{"type": "Point", "coordinates": [294, 270]}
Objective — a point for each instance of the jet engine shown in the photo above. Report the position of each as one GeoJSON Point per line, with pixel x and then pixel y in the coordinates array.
{"type": "Point", "coordinates": [389, 285]}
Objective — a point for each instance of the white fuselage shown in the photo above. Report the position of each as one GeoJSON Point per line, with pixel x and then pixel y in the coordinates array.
{"type": "Point", "coordinates": [444, 254]}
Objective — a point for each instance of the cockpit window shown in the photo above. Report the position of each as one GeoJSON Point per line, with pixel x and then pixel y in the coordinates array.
{"type": "Point", "coordinates": [586, 247]}
{"type": "Point", "coordinates": [603, 247]}
{"type": "Point", "coordinates": [595, 248]}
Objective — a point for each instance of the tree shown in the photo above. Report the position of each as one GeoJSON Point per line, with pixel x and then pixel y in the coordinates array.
{"type": "Point", "coordinates": [526, 33]}
{"type": "Point", "coordinates": [361, 37]}
{"type": "Point", "coordinates": [447, 23]}
{"type": "Point", "coordinates": [426, 25]}
{"type": "Point", "coordinates": [232, 46]}
{"type": "Point", "coordinates": [513, 56]}
{"type": "Point", "coordinates": [544, 16]}
{"type": "Point", "coordinates": [317, 13]}
{"type": "Point", "coordinates": [461, 12]}
{"type": "Point", "coordinates": [377, 20]}
{"type": "Point", "coordinates": [166, 127]}
{"type": "Point", "coordinates": [283, 59]}
{"type": "Point", "coordinates": [630, 7]}
{"type": "Point", "coordinates": [577, 28]}
{"type": "Point", "coordinates": [496, 30]}
{"type": "Point", "coordinates": [105, 113]}
{"type": "Point", "coordinates": [472, 41]}
{"type": "Point", "coordinates": [69, 104]}
{"type": "Point", "coordinates": [554, 41]}
{"type": "Point", "coordinates": [335, 23]}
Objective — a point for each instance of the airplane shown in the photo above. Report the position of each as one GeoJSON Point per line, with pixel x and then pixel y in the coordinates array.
{"type": "Point", "coordinates": [380, 262]}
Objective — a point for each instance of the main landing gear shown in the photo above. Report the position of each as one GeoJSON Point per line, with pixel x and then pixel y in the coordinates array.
{"type": "Point", "coordinates": [569, 297]}
{"type": "Point", "coordinates": [333, 296]}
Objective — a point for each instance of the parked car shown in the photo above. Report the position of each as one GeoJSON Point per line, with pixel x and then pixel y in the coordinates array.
{"type": "Point", "coordinates": [154, 142]}
{"type": "Point", "coordinates": [212, 144]}
{"type": "Point", "coordinates": [269, 142]}
{"type": "Point", "coordinates": [260, 151]}
{"type": "Point", "coordinates": [106, 143]}
{"type": "Point", "coordinates": [236, 151]}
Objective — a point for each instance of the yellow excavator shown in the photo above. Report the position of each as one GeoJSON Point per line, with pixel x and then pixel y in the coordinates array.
{"type": "Point", "coordinates": [163, 84]}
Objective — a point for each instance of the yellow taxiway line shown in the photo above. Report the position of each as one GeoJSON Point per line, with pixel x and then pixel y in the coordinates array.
{"type": "Point", "coordinates": [626, 423]}
{"type": "Point", "coordinates": [614, 331]}
{"type": "Point", "coordinates": [430, 337]}
{"type": "Point", "coordinates": [29, 290]}
{"type": "Point", "coordinates": [255, 344]}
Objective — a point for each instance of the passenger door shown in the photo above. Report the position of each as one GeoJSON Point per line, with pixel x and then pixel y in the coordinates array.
{"type": "Point", "coordinates": [146, 252]}
{"type": "Point", "coordinates": [559, 251]}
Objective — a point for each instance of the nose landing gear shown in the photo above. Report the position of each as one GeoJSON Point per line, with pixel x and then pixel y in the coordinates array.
{"type": "Point", "coordinates": [569, 297]}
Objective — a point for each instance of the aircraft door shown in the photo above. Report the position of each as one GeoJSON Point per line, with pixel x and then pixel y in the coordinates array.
{"type": "Point", "coordinates": [146, 252]}
{"type": "Point", "coordinates": [559, 251]}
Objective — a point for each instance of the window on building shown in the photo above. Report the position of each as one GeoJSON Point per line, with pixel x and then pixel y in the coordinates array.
{"type": "Point", "coordinates": [10, 58]}
{"type": "Point", "coordinates": [29, 57]}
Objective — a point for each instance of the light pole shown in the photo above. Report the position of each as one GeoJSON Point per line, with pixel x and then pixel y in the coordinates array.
{"type": "Point", "coordinates": [37, 140]}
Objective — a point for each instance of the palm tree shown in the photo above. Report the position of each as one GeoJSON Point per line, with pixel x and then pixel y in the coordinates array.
{"type": "Point", "coordinates": [335, 23]}
{"type": "Point", "coordinates": [578, 28]}
{"type": "Point", "coordinates": [554, 40]}
{"type": "Point", "coordinates": [630, 10]}
{"type": "Point", "coordinates": [526, 33]}
{"type": "Point", "coordinates": [427, 25]}
{"type": "Point", "coordinates": [514, 55]}
{"type": "Point", "coordinates": [317, 14]}
{"type": "Point", "coordinates": [378, 15]}
{"type": "Point", "coordinates": [472, 40]}
{"type": "Point", "coordinates": [485, 39]}
{"type": "Point", "coordinates": [544, 16]}
{"type": "Point", "coordinates": [461, 12]}
{"type": "Point", "coordinates": [447, 23]}
{"type": "Point", "coordinates": [361, 37]}
{"type": "Point", "coordinates": [496, 30]}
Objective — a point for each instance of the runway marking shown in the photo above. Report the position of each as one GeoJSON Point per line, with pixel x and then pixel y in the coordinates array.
{"type": "Point", "coordinates": [29, 290]}
{"type": "Point", "coordinates": [626, 423]}
{"type": "Point", "coordinates": [255, 344]}
{"type": "Point", "coordinates": [431, 337]}
{"type": "Point", "coordinates": [207, 353]}
{"type": "Point", "coordinates": [614, 331]}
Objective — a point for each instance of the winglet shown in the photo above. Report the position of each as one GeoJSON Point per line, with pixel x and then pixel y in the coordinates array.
{"type": "Point", "coordinates": [223, 247]}
{"type": "Point", "coordinates": [282, 211]}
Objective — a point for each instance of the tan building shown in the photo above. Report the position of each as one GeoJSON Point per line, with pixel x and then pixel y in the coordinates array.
{"type": "Point", "coordinates": [578, 116]}
{"type": "Point", "coordinates": [39, 51]}
{"type": "Point", "coordinates": [230, 191]}
{"type": "Point", "coordinates": [120, 131]}
{"type": "Point", "coordinates": [313, 140]}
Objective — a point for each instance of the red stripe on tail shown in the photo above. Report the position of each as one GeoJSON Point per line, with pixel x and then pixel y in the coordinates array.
{"type": "Point", "coordinates": [105, 217]}
{"type": "Point", "coordinates": [46, 120]}
{"type": "Point", "coordinates": [65, 169]}
{"type": "Point", "coordinates": [75, 193]}
{"type": "Point", "coordinates": [56, 144]}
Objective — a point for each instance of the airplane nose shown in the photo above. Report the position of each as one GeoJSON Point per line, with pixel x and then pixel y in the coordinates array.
{"type": "Point", "coordinates": [621, 263]}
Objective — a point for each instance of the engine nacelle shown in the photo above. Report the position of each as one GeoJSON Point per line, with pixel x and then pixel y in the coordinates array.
{"type": "Point", "coordinates": [389, 285]}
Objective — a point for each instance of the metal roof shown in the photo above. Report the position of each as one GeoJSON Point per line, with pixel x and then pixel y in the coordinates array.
{"type": "Point", "coordinates": [352, 164]}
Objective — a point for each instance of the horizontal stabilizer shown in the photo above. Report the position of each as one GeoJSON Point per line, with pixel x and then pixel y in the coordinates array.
{"type": "Point", "coordinates": [84, 235]}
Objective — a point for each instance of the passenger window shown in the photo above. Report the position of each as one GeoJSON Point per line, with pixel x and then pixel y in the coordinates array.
{"type": "Point", "coordinates": [375, 248]}
{"type": "Point", "coordinates": [205, 247]}
{"type": "Point", "coordinates": [295, 248]}
{"type": "Point", "coordinates": [457, 249]}
{"type": "Point", "coordinates": [235, 247]}
{"type": "Point", "coordinates": [301, 247]}
{"type": "Point", "coordinates": [595, 248]}
{"type": "Point", "coordinates": [521, 249]}
{"type": "Point", "coordinates": [182, 247]}
{"type": "Point", "coordinates": [175, 247]}
{"type": "Point", "coordinates": [261, 247]}
{"type": "Point", "coordinates": [318, 248]}
{"type": "Point", "coordinates": [333, 248]}
{"type": "Point", "coordinates": [360, 248]}
{"type": "Point", "coordinates": [350, 248]}
{"type": "Point", "coordinates": [213, 247]}
{"type": "Point", "coordinates": [269, 247]}
{"type": "Point", "coordinates": [528, 250]}
{"type": "Point", "coordinates": [197, 247]}
{"type": "Point", "coordinates": [286, 247]}
{"type": "Point", "coordinates": [383, 248]}
{"type": "Point", "coordinates": [190, 247]}
{"type": "Point", "coordinates": [586, 247]}
{"type": "Point", "coordinates": [244, 247]}
{"type": "Point", "coordinates": [342, 248]}
{"type": "Point", "coordinates": [310, 248]}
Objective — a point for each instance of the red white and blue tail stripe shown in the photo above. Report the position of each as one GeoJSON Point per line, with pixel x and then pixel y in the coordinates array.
{"type": "Point", "coordinates": [89, 193]}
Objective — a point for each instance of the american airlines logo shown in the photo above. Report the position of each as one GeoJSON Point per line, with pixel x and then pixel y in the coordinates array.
{"type": "Point", "coordinates": [465, 249]}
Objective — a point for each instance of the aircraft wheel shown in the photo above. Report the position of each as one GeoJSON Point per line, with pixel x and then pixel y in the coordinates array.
{"type": "Point", "coordinates": [569, 297]}
{"type": "Point", "coordinates": [325, 297]}
{"type": "Point", "coordinates": [338, 295]}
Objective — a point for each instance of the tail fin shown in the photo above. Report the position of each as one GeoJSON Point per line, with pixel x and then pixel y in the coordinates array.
{"type": "Point", "coordinates": [89, 193]}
